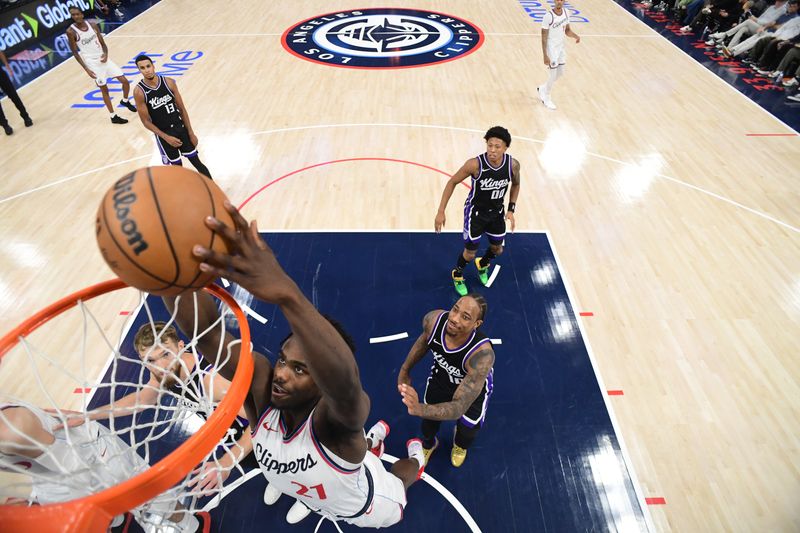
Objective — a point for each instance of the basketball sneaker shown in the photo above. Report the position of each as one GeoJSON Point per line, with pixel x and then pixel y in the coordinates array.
{"type": "Point", "coordinates": [128, 104]}
{"type": "Point", "coordinates": [26, 119]}
{"type": "Point", "coordinates": [458, 283]}
{"type": "Point", "coordinates": [483, 273]}
{"type": "Point", "coordinates": [541, 94]}
{"type": "Point", "coordinates": [458, 455]}
{"type": "Point", "coordinates": [271, 495]}
{"type": "Point", "coordinates": [549, 104]}
{"type": "Point", "coordinates": [377, 434]}
{"type": "Point", "coordinates": [297, 512]}
{"type": "Point", "coordinates": [8, 129]}
{"type": "Point", "coordinates": [427, 452]}
{"type": "Point", "coordinates": [417, 452]}
{"type": "Point", "coordinates": [116, 119]}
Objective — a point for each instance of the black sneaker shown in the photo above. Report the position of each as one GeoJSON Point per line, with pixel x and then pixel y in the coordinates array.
{"type": "Point", "coordinates": [129, 105]}
{"type": "Point", "coordinates": [116, 119]}
{"type": "Point", "coordinates": [27, 120]}
{"type": "Point", "coordinates": [8, 129]}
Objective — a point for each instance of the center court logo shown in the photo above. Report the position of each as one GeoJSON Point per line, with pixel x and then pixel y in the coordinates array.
{"type": "Point", "coordinates": [382, 38]}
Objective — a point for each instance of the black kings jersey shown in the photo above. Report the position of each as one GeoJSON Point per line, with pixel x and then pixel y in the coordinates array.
{"type": "Point", "coordinates": [191, 394]}
{"type": "Point", "coordinates": [450, 366]}
{"type": "Point", "coordinates": [161, 105]}
{"type": "Point", "coordinates": [490, 185]}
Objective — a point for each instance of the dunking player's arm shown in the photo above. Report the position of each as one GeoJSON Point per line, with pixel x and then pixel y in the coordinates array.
{"type": "Point", "coordinates": [344, 407]}
{"type": "Point", "coordinates": [478, 367]}
{"type": "Point", "coordinates": [469, 168]}
{"type": "Point", "coordinates": [144, 116]}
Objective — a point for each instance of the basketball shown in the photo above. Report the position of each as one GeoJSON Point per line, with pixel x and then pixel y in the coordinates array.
{"type": "Point", "coordinates": [148, 222]}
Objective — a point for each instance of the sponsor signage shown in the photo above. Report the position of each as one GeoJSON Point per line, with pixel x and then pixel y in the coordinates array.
{"type": "Point", "coordinates": [24, 25]}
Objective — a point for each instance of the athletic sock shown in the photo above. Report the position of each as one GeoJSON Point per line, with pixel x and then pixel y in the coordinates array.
{"type": "Point", "coordinates": [460, 264]}
{"type": "Point", "coordinates": [487, 258]}
{"type": "Point", "coordinates": [415, 451]}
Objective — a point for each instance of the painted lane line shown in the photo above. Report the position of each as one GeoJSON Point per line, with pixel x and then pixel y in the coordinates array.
{"type": "Point", "coordinates": [770, 134]}
{"type": "Point", "coordinates": [388, 338]}
{"type": "Point", "coordinates": [495, 272]}
{"type": "Point", "coordinates": [587, 313]}
{"type": "Point", "coordinates": [427, 478]}
{"type": "Point", "coordinates": [252, 313]}
{"type": "Point", "coordinates": [616, 392]}
{"type": "Point", "coordinates": [655, 501]}
{"type": "Point", "coordinates": [79, 390]}
{"type": "Point", "coordinates": [496, 341]}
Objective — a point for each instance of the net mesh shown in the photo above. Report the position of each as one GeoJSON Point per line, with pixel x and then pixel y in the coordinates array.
{"type": "Point", "coordinates": [84, 409]}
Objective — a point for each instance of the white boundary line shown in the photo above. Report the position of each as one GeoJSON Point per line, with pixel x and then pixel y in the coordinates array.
{"type": "Point", "coordinates": [388, 338]}
{"type": "Point", "coordinates": [609, 408]}
{"type": "Point", "coordinates": [452, 128]}
{"type": "Point", "coordinates": [427, 478]}
{"type": "Point", "coordinates": [270, 34]}
{"type": "Point", "coordinates": [252, 313]}
{"type": "Point", "coordinates": [712, 73]}
{"type": "Point", "coordinates": [495, 272]}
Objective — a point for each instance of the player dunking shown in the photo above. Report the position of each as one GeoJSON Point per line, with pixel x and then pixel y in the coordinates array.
{"type": "Point", "coordinates": [308, 412]}
{"type": "Point", "coordinates": [91, 52]}
{"type": "Point", "coordinates": [162, 111]}
{"type": "Point", "coordinates": [554, 25]}
{"type": "Point", "coordinates": [460, 382]}
{"type": "Point", "coordinates": [491, 174]}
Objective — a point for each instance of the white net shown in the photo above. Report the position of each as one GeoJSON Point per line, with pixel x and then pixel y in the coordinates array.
{"type": "Point", "coordinates": [82, 410]}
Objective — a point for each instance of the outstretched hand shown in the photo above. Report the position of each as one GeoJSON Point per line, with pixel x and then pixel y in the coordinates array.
{"type": "Point", "coordinates": [251, 263]}
{"type": "Point", "coordinates": [410, 399]}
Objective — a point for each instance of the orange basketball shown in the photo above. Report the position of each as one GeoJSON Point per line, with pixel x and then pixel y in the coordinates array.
{"type": "Point", "coordinates": [148, 222]}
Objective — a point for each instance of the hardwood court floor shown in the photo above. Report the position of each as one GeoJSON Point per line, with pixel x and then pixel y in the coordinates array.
{"type": "Point", "coordinates": [678, 231]}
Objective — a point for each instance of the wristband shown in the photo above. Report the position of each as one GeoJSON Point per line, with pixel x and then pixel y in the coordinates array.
{"type": "Point", "coordinates": [512, 206]}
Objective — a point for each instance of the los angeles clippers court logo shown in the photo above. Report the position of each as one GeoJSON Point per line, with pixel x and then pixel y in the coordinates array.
{"type": "Point", "coordinates": [382, 38]}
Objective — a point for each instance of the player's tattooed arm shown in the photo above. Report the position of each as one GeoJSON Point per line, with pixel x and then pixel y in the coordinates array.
{"type": "Point", "coordinates": [514, 181]}
{"type": "Point", "coordinates": [478, 368]}
{"type": "Point", "coordinates": [419, 348]}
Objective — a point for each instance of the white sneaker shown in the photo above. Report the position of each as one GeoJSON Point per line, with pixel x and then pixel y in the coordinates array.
{"type": "Point", "coordinates": [271, 494]}
{"type": "Point", "coordinates": [377, 434]}
{"type": "Point", "coordinates": [549, 104]}
{"type": "Point", "coordinates": [717, 36]}
{"type": "Point", "coordinates": [686, 28]}
{"type": "Point", "coordinates": [297, 512]}
{"type": "Point", "coordinates": [540, 92]}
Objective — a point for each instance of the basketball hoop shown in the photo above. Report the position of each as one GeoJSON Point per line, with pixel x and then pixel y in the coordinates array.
{"type": "Point", "coordinates": [94, 513]}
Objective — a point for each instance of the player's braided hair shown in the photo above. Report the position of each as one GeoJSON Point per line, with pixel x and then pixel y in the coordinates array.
{"type": "Point", "coordinates": [481, 301]}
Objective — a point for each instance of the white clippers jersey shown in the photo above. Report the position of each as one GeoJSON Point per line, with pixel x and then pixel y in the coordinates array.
{"type": "Point", "coordinates": [556, 26]}
{"type": "Point", "coordinates": [87, 459]}
{"type": "Point", "coordinates": [88, 42]}
{"type": "Point", "coordinates": [299, 465]}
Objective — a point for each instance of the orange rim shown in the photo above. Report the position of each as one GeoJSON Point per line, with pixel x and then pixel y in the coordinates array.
{"type": "Point", "coordinates": [94, 513]}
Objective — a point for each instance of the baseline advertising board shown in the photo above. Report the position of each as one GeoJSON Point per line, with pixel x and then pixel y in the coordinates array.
{"type": "Point", "coordinates": [24, 25]}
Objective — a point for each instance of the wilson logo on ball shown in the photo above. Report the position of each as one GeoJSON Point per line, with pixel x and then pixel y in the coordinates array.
{"type": "Point", "coordinates": [123, 198]}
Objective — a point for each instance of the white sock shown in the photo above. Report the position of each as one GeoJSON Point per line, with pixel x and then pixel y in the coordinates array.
{"type": "Point", "coordinates": [113, 114]}
{"type": "Point", "coordinates": [550, 81]}
{"type": "Point", "coordinates": [560, 71]}
{"type": "Point", "coordinates": [126, 98]}
{"type": "Point", "coordinates": [415, 451]}
{"type": "Point", "coordinates": [188, 523]}
{"type": "Point", "coordinates": [376, 434]}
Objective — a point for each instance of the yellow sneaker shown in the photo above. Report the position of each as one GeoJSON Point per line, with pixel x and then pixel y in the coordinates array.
{"type": "Point", "coordinates": [429, 451]}
{"type": "Point", "coordinates": [483, 272]}
{"type": "Point", "coordinates": [457, 456]}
